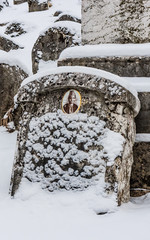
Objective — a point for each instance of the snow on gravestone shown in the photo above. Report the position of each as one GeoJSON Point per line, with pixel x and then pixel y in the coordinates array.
{"type": "Point", "coordinates": [38, 5]}
{"type": "Point", "coordinates": [75, 130]}
{"type": "Point", "coordinates": [115, 21]}
{"type": "Point", "coordinates": [53, 41]}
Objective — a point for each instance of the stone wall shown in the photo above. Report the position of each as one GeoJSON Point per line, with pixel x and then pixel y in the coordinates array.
{"type": "Point", "coordinates": [10, 80]}
{"type": "Point", "coordinates": [122, 66]}
{"type": "Point", "coordinates": [115, 21]}
{"type": "Point", "coordinates": [75, 151]}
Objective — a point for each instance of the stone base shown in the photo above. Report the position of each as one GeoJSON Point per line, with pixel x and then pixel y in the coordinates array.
{"type": "Point", "coordinates": [121, 66]}
{"type": "Point", "coordinates": [140, 177]}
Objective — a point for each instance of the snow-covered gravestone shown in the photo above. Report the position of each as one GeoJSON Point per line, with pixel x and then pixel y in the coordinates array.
{"type": "Point", "coordinates": [75, 131]}
{"type": "Point", "coordinates": [115, 21]}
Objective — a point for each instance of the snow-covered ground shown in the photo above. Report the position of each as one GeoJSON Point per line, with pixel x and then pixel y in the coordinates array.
{"type": "Point", "coordinates": [35, 214]}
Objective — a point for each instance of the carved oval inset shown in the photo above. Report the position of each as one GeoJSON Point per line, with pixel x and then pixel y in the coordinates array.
{"type": "Point", "coordinates": [71, 101]}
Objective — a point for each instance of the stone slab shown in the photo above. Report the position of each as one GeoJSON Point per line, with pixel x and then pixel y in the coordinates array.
{"type": "Point", "coordinates": [121, 66]}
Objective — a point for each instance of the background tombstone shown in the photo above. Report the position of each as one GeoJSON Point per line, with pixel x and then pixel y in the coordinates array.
{"type": "Point", "coordinates": [53, 41]}
{"type": "Point", "coordinates": [75, 151]}
{"type": "Point", "coordinates": [38, 5]}
{"type": "Point", "coordinates": [10, 80]}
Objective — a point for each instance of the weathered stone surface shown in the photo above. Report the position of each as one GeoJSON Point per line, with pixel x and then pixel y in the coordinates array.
{"type": "Point", "coordinates": [15, 29]}
{"type": "Point", "coordinates": [67, 17]}
{"type": "Point", "coordinates": [7, 45]}
{"type": "Point", "coordinates": [10, 79]}
{"type": "Point", "coordinates": [136, 192]}
{"type": "Point", "coordinates": [42, 125]}
{"type": "Point", "coordinates": [50, 44]}
{"type": "Point", "coordinates": [19, 1]}
{"type": "Point", "coordinates": [122, 66]}
{"type": "Point", "coordinates": [37, 5]}
{"type": "Point", "coordinates": [115, 21]}
{"type": "Point", "coordinates": [140, 177]}
{"type": "Point", "coordinates": [143, 118]}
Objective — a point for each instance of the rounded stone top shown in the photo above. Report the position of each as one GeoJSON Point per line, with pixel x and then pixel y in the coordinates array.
{"type": "Point", "coordinates": [113, 88]}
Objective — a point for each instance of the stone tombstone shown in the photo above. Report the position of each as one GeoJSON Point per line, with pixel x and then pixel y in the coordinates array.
{"type": "Point", "coordinates": [38, 5]}
{"type": "Point", "coordinates": [53, 41]}
{"type": "Point", "coordinates": [10, 80]}
{"type": "Point", "coordinates": [75, 130]}
{"type": "Point", "coordinates": [115, 21]}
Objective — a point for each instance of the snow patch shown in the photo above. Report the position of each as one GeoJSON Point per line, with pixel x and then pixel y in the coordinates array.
{"type": "Point", "coordinates": [106, 50]}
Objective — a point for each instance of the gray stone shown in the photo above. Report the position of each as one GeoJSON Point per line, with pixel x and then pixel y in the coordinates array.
{"type": "Point", "coordinates": [36, 5]}
{"type": "Point", "coordinates": [122, 66]}
{"type": "Point", "coordinates": [7, 45]}
{"type": "Point", "coordinates": [143, 119]}
{"type": "Point", "coordinates": [3, 3]}
{"type": "Point", "coordinates": [57, 13]}
{"type": "Point", "coordinates": [10, 80]}
{"type": "Point", "coordinates": [15, 29]}
{"type": "Point", "coordinates": [67, 17]}
{"type": "Point", "coordinates": [16, 2]}
{"type": "Point", "coordinates": [140, 177]}
{"type": "Point", "coordinates": [50, 44]}
{"type": "Point", "coordinates": [41, 123]}
{"type": "Point", "coordinates": [115, 21]}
